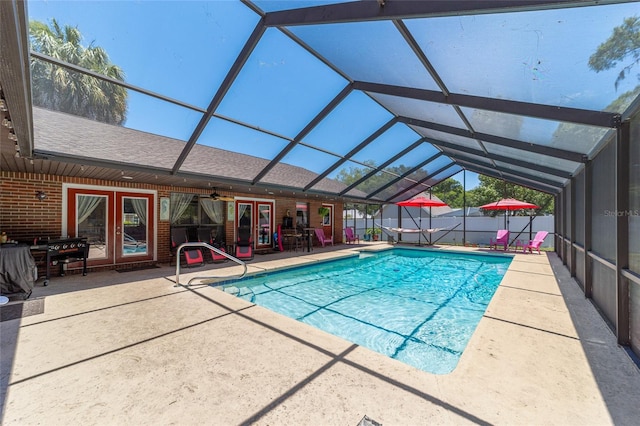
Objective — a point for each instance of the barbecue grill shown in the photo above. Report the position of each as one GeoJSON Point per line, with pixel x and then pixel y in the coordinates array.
{"type": "Point", "coordinates": [61, 252]}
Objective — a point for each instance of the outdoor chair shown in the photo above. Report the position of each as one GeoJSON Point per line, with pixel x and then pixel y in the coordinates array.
{"type": "Point", "coordinates": [322, 238]}
{"type": "Point", "coordinates": [192, 256]}
{"type": "Point", "coordinates": [536, 242]}
{"type": "Point", "coordinates": [350, 236]}
{"type": "Point", "coordinates": [502, 239]}
{"type": "Point", "coordinates": [244, 243]}
{"type": "Point", "coordinates": [204, 236]}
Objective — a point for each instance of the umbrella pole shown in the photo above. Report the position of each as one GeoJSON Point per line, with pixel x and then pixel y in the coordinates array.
{"type": "Point", "coordinates": [430, 221]}
{"type": "Point", "coordinates": [420, 226]}
{"type": "Point", "coordinates": [506, 212]}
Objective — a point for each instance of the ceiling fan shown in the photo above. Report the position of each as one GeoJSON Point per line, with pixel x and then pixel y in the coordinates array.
{"type": "Point", "coordinates": [218, 197]}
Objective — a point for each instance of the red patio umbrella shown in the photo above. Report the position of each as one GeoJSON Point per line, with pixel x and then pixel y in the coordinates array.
{"type": "Point", "coordinates": [421, 201]}
{"type": "Point", "coordinates": [509, 204]}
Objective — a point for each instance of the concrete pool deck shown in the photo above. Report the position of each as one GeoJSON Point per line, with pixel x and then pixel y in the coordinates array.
{"type": "Point", "coordinates": [131, 348]}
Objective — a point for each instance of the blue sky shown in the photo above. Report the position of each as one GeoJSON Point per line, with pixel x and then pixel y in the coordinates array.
{"type": "Point", "coordinates": [184, 50]}
{"type": "Point", "coordinates": [133, 33]}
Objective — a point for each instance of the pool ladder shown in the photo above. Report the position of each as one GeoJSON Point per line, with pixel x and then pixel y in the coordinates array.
{"type": "Point", "coordinates": [218, 251]}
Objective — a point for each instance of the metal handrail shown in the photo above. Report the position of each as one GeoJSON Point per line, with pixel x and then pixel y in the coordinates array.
{"type": "Point", "coordinates": [217, 250]}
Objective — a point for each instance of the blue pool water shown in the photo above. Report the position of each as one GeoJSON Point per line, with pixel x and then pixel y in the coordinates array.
{"type": "Point", "coordinates": [134, 249]}
{"type": "Point", "coordinates": [417, 306]}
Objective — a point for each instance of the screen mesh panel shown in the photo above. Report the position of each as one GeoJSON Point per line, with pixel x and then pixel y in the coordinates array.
{"type": "Point", "coordinates": [634, 233]}
{"type": "Point", "coordinates": [578, 187]}
{"type": "Point", "coordinates": [604, 290]}
{"type": "Point", "coordinates": [603, 226]}
{"type": "Point", "coordinates": [567, 210]}
{"type": "Point", "coordinates": [634, 315]}
{"type": "Point", "coordinates": [567, 247]}
{"type": "Point", "coordinates": [580, 256]}
{"type": "Point", "coordinates": [634, 197]}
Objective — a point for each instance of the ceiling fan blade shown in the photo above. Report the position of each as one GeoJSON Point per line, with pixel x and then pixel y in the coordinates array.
{"type": "Point", "coordinates": [214, 194]}
{"type": "Point", "coordinates": [217, 197]}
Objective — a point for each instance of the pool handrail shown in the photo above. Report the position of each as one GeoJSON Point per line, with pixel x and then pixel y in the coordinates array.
{"type": "Point", "coordinates": [217, 250]}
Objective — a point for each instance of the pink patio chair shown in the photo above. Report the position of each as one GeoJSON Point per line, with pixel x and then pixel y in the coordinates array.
{"type": "Point", "coordinates": [350, 237]}
{"type": "Point", "coordinates": [536, 242]}
{"type": "Point", "coordinates": [502, 239]}
{"type": "Point", "coordinates": [322, 238]}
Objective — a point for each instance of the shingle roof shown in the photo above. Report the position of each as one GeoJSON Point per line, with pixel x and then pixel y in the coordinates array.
{"type": "Point", "coordinates": [73, 136]}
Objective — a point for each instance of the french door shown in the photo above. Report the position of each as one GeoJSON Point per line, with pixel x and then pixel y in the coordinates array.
{"type": "Point", "coordinates": [327, 221]}
{"type": "Point", "coordinates": [119, 225]}
{"type": "Point", "coordinates": [258, 215]}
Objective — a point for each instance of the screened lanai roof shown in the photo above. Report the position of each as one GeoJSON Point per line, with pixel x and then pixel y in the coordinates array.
{"type": "Point", "coordinates": [367, 101]}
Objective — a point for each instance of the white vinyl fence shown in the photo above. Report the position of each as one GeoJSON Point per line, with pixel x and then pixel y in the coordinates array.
{"type": "Point", "coordinates": [478, 230]}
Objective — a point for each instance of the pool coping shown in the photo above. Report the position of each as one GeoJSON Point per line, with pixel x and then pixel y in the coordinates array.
{"type": "Point", "coordinates": [132, 348]}
{"type": "Point", "coordinates": [218, 281]}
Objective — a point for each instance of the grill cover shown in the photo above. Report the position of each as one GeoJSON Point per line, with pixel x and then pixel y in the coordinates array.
{"type": "Point", "coordinates": [18, 271]}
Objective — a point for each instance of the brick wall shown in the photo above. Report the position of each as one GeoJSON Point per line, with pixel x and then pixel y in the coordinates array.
{"type": "Point", "coordinates": [23, 217]}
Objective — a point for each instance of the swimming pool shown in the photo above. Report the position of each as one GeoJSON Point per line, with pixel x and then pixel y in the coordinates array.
{"type": "Point", "coordinates": [417, 306]}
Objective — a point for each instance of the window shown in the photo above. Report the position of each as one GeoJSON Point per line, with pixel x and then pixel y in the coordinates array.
{"type": "Point", "coordinates": [302, 215]}
{"type": "Point", "coordinates": [198, 211]}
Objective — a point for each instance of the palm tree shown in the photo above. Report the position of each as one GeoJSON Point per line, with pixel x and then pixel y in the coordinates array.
{"type": "Point", "coordinates": [61, 89]}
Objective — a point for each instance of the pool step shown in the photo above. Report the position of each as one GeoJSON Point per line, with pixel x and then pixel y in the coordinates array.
{"type": "Point", "coordinates": [232, 290]}
{"type": "Point", "coordinates": [243, 292]}
{"type": "Point", "coordinates": [365, 255]}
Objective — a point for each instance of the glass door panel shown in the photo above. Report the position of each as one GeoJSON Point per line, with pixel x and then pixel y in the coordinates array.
{"type": "Point", "coordinates": [91, 214]}
{"type": "Point", "coordinates": [244, 217]}
{"type": "Point", "coordinates": [264, 224]}
{"type": "Point", "coordinates": [134, 226]}
{"type": "Point", "coordinates": [257, 215]}
{"type": "Point", "coordinates": [134, 220]}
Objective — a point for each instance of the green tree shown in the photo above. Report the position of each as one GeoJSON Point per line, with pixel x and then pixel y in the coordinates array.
{"type": "Point", "coordinates": [352, 174]}
{"type": "Point", "coordinates": [623, 43]}
{"type": "Point", "coordinates": [61, 89]}
{"type": "Point", "coordinates": [380, 179]}
{"type": "Point", "coordinates": [450, 191]}
{"type": "Point", "coordinates": [491, 189]}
